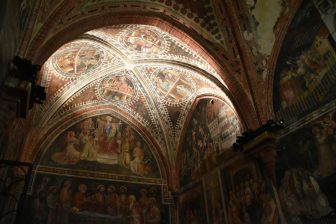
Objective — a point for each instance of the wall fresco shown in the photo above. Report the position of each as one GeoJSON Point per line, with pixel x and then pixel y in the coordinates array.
{"type": "Point", "coordinates": [72, 200]}
{"type": "Point", "coordinates": [211, 130]}
{"type": "Point", "coordinates": [105, 144]}
{"type": "Point", "coordinates": [191, 206]}
{"type": "Point", "coordinates": [306, 171]}
{"type": "Point", "coordinates": [262, 16]}
{"type": "Point", "coordinates": [248, 195]}
{"type": "Point", "coordinates": [215, 208]}
{"type": "Point", "coordinates": [306, 66]}
{"type": "Point", "coordinates": [259, 24]}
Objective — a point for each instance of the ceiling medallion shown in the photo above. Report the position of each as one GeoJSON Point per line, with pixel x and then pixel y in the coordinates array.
{"type": "Point", "coordinates": [143, 40]}
{"type": "Point", "coordinates": [117, 88]}
{"type": "Point", "coordinates": [174, 86]}
{"type": "Point", "coordinates": [77, 60]}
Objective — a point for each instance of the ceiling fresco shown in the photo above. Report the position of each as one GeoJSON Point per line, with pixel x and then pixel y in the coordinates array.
{"type": "Point", "coordinates": [138, 74]}
{"type": "Point", "coordinates": [260, 23]}
{"type": "Point", "coordinates": [240, 39]}
{"type": "Point", "coordinates": [77, 61]}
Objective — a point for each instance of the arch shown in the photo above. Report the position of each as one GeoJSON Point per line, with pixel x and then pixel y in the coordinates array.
{"type": "Point", "coordinates": [39, 53]}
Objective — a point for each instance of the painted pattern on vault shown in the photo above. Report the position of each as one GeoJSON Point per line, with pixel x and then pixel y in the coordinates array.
{"type": "Point", "coordinates": [57, 81]}
{"type": "Point", "coordinates": [138, 71]}
{"type": "Point", "coordinates": [168, 47]}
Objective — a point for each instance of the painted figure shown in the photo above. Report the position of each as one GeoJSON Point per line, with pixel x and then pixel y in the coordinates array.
{"type": "Point", "coordinates": [153, 214]}
{"type": "Point", "coordinates": [80, 201]}
{"type": "Point", "coordinates": [87, 141]}
{"type": "Point", "coordinates": [98, 200]}
{"type": "Point", "coordinates": [134, 211]}
{"type": "Point", "coordinates": [52, 202]}
{"type": "Point", "coordinates": [138, 165]}
{"type": "Point", "coordinates": [70, 155]}
{"type": "Point", "coordinates": [65, 196]}
{"type": "Point", "coordinates": [108, 136]}
{"type": "Point", "coordinates": [112, 201]}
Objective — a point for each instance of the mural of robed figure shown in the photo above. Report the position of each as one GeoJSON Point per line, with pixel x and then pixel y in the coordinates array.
{"type": "Point", "coordinates": [101, 143]}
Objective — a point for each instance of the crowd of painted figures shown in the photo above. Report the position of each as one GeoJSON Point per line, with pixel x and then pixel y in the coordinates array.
{"type": "Point", "coordinates": [104, 140]}
{"type": "Point", "coordinates": [52, 204]}
{"type": "Point", "coordinates": [250, 202]}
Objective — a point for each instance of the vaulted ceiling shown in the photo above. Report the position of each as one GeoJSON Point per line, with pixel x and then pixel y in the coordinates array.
{"type": "Point", "coordinates": [149, 61]}
{"type": "Point", "coordinates": [240, 39]}
{"type": "Point", "coordinates": [140, 71]}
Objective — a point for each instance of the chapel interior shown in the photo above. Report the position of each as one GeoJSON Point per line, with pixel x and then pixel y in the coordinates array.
{"type": "Point", "coordinates": [168, 111]}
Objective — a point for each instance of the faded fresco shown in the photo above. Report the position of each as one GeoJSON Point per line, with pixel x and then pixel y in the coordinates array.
{"type": "Point", "coordinates": [78, 60]}
{"type": "Point", "coordinates": [105, 144]}
{"type": "Point", "coordinates": [215, 208]}
{"type": "Point", "coordinates": [65, 200]}
{"type": "Point", "coordinates": [212, 129]}
{"type": "Point", "coordinates": [306, 171]}
{"type": "Point", "coordinates": [306, 67]}
{"type": "Point", "coordinates": [262, 17]}
{"type": "Point", "coordinates": [191, 206]}
{"type": "Point", "coordinates": [248, 195]}
{"type": "Point", "coordinates": [258, 22]}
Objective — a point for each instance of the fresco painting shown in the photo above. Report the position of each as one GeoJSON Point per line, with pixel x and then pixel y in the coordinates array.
{"type": "Point", "coordinates": [143, 40]}
{"type": "Point", "coordinates": [215, 208]}
{"type": "Point", "coordinates": [306, 171]}
{"type": "Point", "coordinates": [116, 88]}
{"type": "Point", "coordinates": [211, 130]}
{"type": "Point", "coordinates": [262, 17]}
{"type": "Point", "coordinates": [78, 60]}
{"type": "Point", "coordinates": [307, 63]}
{"type": "Point", "coordinates": [65, 200]}
{"type": "Point", "coordinates": [173, 84]}
{"type": "Point", "coordinates": [248, 195]}
{"type": "Point", "coordinates": [102, 143]}
{"type": "Point", "coordinates": [191, 206]}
